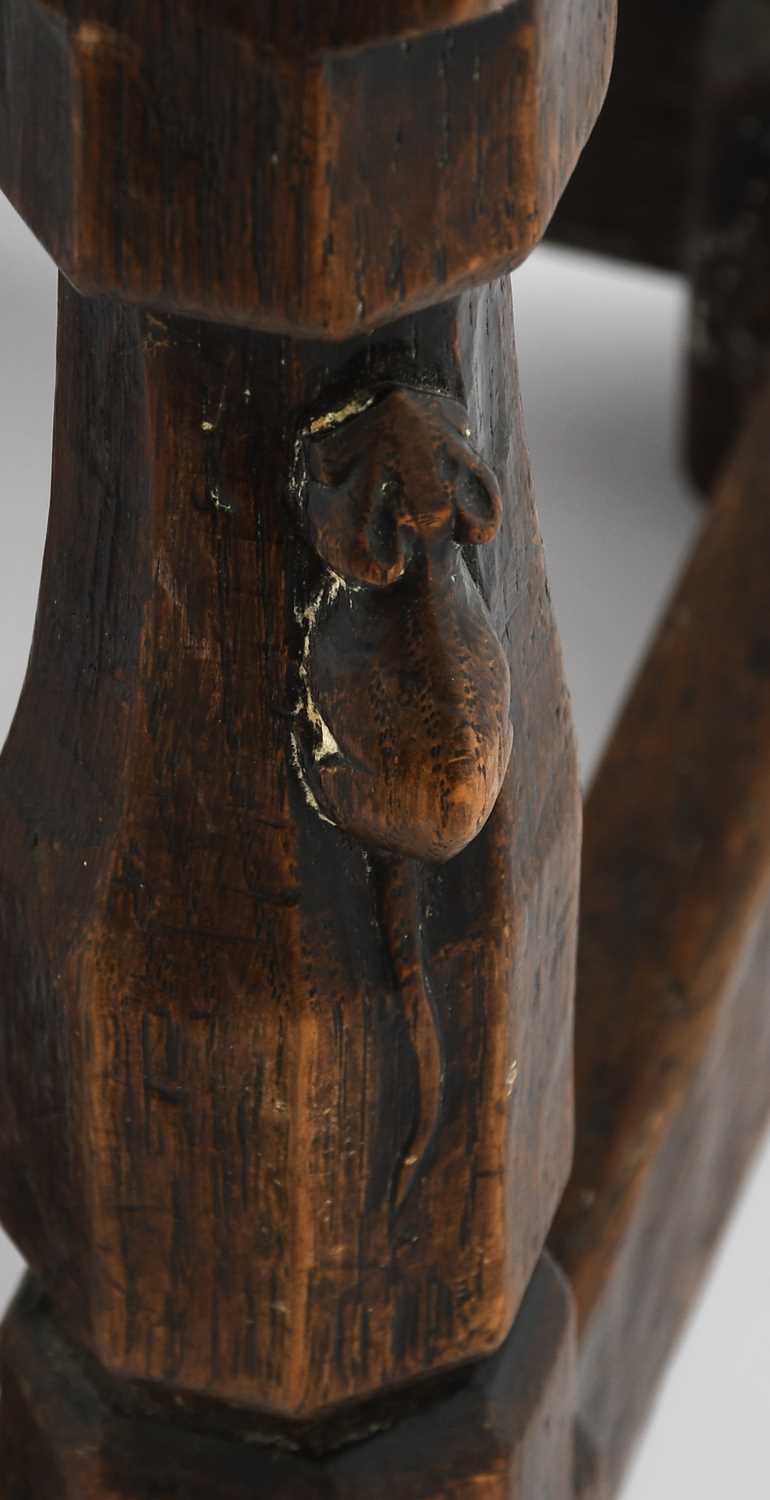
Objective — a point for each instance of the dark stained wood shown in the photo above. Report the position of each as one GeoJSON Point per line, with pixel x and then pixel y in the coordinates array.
{"type": "Point", "coordinates": [281, 1122]}
{"type": "Point", "coordinates": [210, 168]}
{"type": "Point", "coordinates": [673, 1019]}
{"type": "Point", "coordinates": [631, 194]}
{"type": "Point", "coordinates": [289, 813]}
{"type": "Point", "coordinates": [304, 27]}
{"type": "Point", "coordinates": [503, 1432]}
{"type": "Point", "coordinates": [729, 249]}
{"type": "Point", "coordinates": [589, 1479]}
{"type": "Point", "coordinates": [413, 657]}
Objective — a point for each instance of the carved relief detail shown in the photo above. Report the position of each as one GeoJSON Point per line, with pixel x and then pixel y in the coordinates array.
{"type": "Point", "coordinates": [403, 732]}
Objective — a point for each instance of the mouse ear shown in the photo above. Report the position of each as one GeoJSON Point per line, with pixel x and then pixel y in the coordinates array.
{"type": "Point", "coordinates": [479, 504]}
{"type": "Point", "coordinates": [399, 468]}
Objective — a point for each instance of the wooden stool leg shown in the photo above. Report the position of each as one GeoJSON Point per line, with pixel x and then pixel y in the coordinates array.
{"type": "Point", "coordinates": [261, 1135]}
{"type": "Point", "coordinates": [730, 237]}
{"type": "Point", "coordinates": [289, 813]}
{"type": "Point", "coordinates": [502, 1429]}
{"type": "Point", "coordinates": [631, 193]}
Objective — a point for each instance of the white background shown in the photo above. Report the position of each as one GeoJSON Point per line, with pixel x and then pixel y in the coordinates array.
{"type": "Point", "coordinates": [600, 348]}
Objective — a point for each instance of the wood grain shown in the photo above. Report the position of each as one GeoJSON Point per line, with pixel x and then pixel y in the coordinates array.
{"type": "Point", "coordinates": [502, 1432]}
{"type": "Point", "coordinates": [404, 731]}
{"type": "Point", "coordinates": [217, 1083]}
{"type": "Point", "coordinates": [305, 27]}
{"type": "Point", "coordinates": [191, 165]}
{"type": "Point", "coordinates": [289, 814]}
{"type": "Point", "coordinates": [673, 1022]}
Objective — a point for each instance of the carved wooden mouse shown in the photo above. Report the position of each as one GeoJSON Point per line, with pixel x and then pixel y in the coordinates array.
{"type": "Point", "coordinates": [404, 727]}
{"type": "Point", "coordinates": [403, 731]}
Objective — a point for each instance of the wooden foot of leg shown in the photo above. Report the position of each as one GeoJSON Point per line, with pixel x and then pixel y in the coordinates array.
{"type": "Point", "coordinates": [501, 1430]}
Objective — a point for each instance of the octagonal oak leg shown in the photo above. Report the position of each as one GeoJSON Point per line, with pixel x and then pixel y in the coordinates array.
{"type": "Point", "coordinates": [289, 876]}
{"type": "Point", "coordinates": [289, 816]}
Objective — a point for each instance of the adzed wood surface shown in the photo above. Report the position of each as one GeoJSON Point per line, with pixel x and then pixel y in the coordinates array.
{"type": "Point", "coordinates": [316, 170]}
{"type": "Point", "coordinates": [289, 814]}
{"type": "Point", "coordinates": [282, 1123]}
{"type": "Point", "coordinates": [502, 1431]}
{"type": "Point", "coordinates": [406, 650]}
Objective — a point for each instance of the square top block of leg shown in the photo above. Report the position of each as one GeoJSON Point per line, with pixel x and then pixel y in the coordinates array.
{"type": "Point", "coordinates": [318, 178]}
{"type": "Point", "coordinates": [502, 1432]}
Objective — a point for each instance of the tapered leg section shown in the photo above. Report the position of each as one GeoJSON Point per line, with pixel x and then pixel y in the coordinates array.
{"type": "Point", "coordinates": [286, 1103]}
